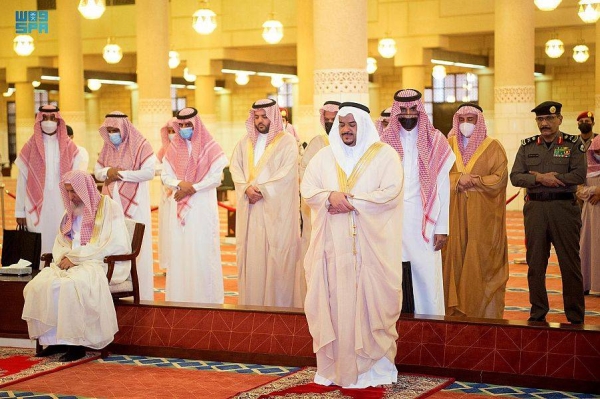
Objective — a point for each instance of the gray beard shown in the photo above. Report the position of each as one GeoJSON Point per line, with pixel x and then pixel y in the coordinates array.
{"type": "Point", "coordinates": [78, 210]}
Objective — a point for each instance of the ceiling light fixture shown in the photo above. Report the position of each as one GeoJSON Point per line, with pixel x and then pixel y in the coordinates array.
{"type": "Point", "coordinates": [555, 48]}
{"type": "Point", "coordinates": [547, 5]}
{"type": "Point", "coordinates": [438, 72]}
{"type": "Point", "coordinates": [174, 59]}
{"type": "Point", "coordinates": [91, 9]}
{"type": "Point", "coordinates": [581, 53]}
{"type": "Point", "coordinates": [589, 11]}
{"type": "Point", "coordinates": [23, 45]}
{"type": "Point", "coordinates": [371, 65]}
{"type": "Point", "coordinates": [204, 20]}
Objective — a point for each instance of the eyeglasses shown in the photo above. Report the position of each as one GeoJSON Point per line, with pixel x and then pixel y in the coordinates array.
{"type": "Point", "coordinates": [548, 118]}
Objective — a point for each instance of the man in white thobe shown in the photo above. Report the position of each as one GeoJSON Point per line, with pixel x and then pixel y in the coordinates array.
{"type": "Point", "coordinates": [264, 170]}
{"type": "Point", "coordinates": [192, 170]}
{"type": "Point", "coordinates": [126, 165]}
{"type": "Point", "coordinates": [354, 190]}
{"type": "Point", "coordinates": [68, 305]}
{"type": "Point", "coordinates": [44, 158]}
{"type": "Point", "coordinates": [427, 158]}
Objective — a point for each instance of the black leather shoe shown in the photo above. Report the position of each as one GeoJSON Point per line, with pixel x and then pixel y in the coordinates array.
{"type": "Point", "coordinates": [543, 319]}
{"type": "Point", "coordinates": [73, 353]}
{"type": "Point", "coordinates": [51, 350]}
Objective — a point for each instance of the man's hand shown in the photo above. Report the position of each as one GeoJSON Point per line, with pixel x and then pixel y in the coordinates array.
{"type": "Point", "coordinates": [547, 179]}
{"type": "Point", "coordinates": [112, 175]}
{"type": "Point", "coordinates": [439, 240]}
{"type": "Point", "coordinates": [595, 198]}
{"type": "Point", "coordinates": [185, 189]}
{"type": "Point", "coordinates": [65, 264]}
{"type": "Point", "coordinates": [339, 203]}
{"type": "Point", "coordinates": [466, 182]}
{"type": "Point", "coordinates": [254, 194]}
{"type": "Point", "coordinates": [22, 222]}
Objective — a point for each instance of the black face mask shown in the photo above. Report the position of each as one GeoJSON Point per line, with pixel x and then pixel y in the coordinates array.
{"type": "Point", "coordinates": [585, 128]}
{"type": "Point", "coordinates": [409, 123]}
{"type": "Point", "coordinates": [328, 126]}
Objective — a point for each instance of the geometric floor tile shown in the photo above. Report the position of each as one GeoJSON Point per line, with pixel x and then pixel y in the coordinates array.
{"type": "Point", "coordinates": [513, 392]}
{"type": "Point", "coordinates": [187, 364]}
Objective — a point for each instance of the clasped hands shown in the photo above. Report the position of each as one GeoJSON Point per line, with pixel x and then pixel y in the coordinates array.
{"type": "Point", "coordinates": [338, 203]}
{"type": "Point", "coordinates": [65, 264]}
{"type": "Point", "coordinates": [112, 175]}
{"type": "Point", "coordinates": [547, 179]}
{"type": "Point", "coordinates": [185, 189]}
{"type": "Point", "coordinates": [595, 197]}
{"type": "Point", "coordinates": [466, 181]}
{"type": "Point", "coordinates": [254, 194]}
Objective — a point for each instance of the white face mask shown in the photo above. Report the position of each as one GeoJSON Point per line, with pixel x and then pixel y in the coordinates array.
{"type": "Point", "coordinates": [466, 129]}
{"type": "Point", "coordinates": [49, 126]}
{"type": "Point", "coordinates": [597, 156]}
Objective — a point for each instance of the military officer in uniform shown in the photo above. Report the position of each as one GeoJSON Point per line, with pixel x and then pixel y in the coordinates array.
{"type": "Point", "coordinates": [550, 166]}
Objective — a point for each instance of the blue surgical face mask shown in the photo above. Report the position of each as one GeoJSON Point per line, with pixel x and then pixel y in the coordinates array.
{"type": "Point", "coordinates": [115, 138]}
{"type": "Point", "coordinates": [186, 132]}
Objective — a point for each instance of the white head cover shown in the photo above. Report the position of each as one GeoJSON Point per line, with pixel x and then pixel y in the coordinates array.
{"type": "Point", "coordinates": [328, 106]}
{"type": "Point", "coordinates": [366, 135]}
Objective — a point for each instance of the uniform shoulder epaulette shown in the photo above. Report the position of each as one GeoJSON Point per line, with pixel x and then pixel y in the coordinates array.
{"type": "Point", "coordinates": [531, 139]}
{"type": "Point", "coordinates": [570, 137]}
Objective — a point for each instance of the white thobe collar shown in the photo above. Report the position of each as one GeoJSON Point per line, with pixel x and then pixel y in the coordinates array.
{"type": "Point", "coordinates": [350, 160]}
{"type": "Point", "coordinates": [76, 232]}
{"type": "Point", "coordinates": [259, 148]}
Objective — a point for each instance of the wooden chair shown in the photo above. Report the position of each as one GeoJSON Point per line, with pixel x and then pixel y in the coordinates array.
{"type": "Point", "coordinates": [129, 287]}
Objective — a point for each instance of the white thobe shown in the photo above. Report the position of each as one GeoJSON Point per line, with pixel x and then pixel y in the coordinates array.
{"type": "Point", "coordinates": [195, 272]}
{"type": "Point", "coordinates": [53, 207]}
{"type": "Point", "coordinates": [74, 306]}
{"type": "Point", "coordinates": [163, 222]}
{"type": "Point", "coordinates": [84, 159]}
{"type": "Point", "coordinates": [145, 261]}
{"type": "Point", "coordinates": [426, 264]}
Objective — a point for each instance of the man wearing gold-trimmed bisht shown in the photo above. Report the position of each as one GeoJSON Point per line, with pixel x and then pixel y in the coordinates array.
{"type": "Point", "coordinates": [354, 296]}
{"type": "Point", "coordinates": [264, 170]}
{"type": "Point", "coordinates": [68, 305]}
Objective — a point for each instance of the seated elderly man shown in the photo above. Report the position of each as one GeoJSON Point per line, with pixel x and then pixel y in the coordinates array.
{"type": "Point", "coordinates": [68, 305]}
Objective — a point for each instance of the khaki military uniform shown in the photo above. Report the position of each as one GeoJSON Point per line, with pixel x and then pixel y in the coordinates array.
{"type": "Point", "coordinates": [552, 216]}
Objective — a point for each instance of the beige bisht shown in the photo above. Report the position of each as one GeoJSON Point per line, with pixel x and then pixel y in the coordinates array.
{"type": "Point", "coordinates": [74, 306]}
{"type": "Point", "coordinates": [352, 265]}
{"type": "Point", "coordinates": [268, 232]}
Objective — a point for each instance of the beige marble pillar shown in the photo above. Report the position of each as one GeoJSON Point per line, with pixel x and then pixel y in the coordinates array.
{"type": "Point", "coordinates": [485, 80]}
{"type": "Point", "coordinates": [306, 116]}
{"type": "Point", "coordinates": [597, 74]}
{"type": "Point", "coordinates": [93, 121]}
{"type": "Point", "coordinates": [153, 74]}
{"type": "Point", "coordinates": [25, 115]}
{"type": "Point", "coordinates": [70, 69]}
{"type": "Point", "coordinates": [514, 85]}
{"type": "Point", "coordinates": [340, 33]}
{"type": "Point", "coordinates": [205, 99]}
{"type": "Point", "coordinates": [413, 77]}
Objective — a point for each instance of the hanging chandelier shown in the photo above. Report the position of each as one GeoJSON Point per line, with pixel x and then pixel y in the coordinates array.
{"type": "Point", "coordinates": [94, 84]}
{"type": "Point", "coordinates": [91, 9]}
{"type": "Point", "coordinates": [438, 72]}
{"type": "Point", "coordinates": [189, 77]}
{"type": "Point", "coordinates": [547, 5]}
{"type": "Point", "coordinates": [387, 47]}
{"type": "Point", "coordinates": [581, 53]}
{"type": "Point", "coordinates": [371, 65]}
{"type": "Point", "coordinates": [277, 81]}
{"type": "Point", "coordinates": [112, 53]}
{"type": "Point", "coordinates": [242, 78]}
{"type": "Point", "coordinates": [272, 30]}
{"type": "Point", "coordinates": [23, 45]}
{"type": "Point", "coordinates": [174, 59]}
{"type": "Point", "coordinates": [589, 11]}
{"type": "Point", "coordinates": [204, 21]}
{"type": "Point", "coordinates": [555, 48]}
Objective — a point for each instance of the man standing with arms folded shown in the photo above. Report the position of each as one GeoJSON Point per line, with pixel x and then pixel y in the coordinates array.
{"type": "Point", "coordinates": [550, 166]}
{"type": "Point", "coordinates": [264, 169]}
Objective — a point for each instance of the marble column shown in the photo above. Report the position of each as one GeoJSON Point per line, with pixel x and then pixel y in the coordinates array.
{"type": "Point", "coordinates": [153, 74]}
{"type": "Point", "coordinates": [514, 85]}
{"type": "Point", "coordinates": [70, 69]}
{"type": "Point", "coordinates": [413, 77]}
{"type": "Point", "coordinates": [306, 114]}
{"type": "Point", "coordinates": [25, 115]}
{"type": "Point", "coordinates": [597, 74]}
{"type": "Point", "coordinates": [340, 51]}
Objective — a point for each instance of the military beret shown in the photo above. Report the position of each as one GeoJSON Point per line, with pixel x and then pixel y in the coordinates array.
{"type": "Point", "coordinates": [547, 108]}
{"type": "Point", "coordinates": [586, 114]}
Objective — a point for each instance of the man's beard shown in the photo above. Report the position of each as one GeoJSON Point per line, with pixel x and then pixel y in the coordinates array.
{"type": "Point", "coordinates": [78, 210]}
{"type": "Point", "coordinates": [264, 130]}
{"type": "Point", "coordinates": [328, 126]}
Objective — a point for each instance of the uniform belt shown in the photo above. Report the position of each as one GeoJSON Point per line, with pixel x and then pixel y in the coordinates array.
{"type": "Point", "coordinates": [550, 196]}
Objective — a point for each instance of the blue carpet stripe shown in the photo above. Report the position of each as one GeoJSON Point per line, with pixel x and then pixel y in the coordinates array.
{"type": "Point", "coordinates": [514, 392]}
{"type": "Point", "coordinates": [188, 364]}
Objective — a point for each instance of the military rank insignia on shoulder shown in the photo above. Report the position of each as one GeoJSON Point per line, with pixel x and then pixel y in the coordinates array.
{"type": "Point", "coordinates": [570, 137]}
{"type": "Point", "coordinates": [528, 140]}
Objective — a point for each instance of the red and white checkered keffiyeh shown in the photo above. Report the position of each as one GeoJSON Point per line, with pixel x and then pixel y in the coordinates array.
{"type": "Point", "coordinates": [385, 116]}
{"type": "Point", "coordinates": [479, 133]}
{"type": "Point", "coordinates": [85, 188]}
{"type": "Point", "coordinates": [329, 106]}
{"type": "Point", "coordinates": [34, 157]}
{"type": "Point", "coordinates": [164, 138]}
{"type": "Point", "coordinates": [593, 165]}
{"type": "Point", "coordinates": [272, 110]}
{"type": "Point", "coordinates": [130, 155]}
{"type": "Point", "coordinates": [195, 166]}
{"type": "Point", "coordinates": [432, 147]}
